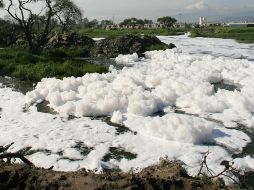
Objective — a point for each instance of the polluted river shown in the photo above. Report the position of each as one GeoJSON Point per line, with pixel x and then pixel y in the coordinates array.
{"type": "Point", "coordinates": [176, 104]}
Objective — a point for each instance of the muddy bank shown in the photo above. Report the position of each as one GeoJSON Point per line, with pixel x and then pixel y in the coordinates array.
{"type": "Point", "coordinates": [166, 175]}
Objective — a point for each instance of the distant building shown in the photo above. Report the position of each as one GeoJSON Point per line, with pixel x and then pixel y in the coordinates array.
{"type": "Point", "coordinates": [202, 21]}
{"type": "Point", "coordinates": [112, 27]}
{"type": "Point", "coordinates": [153, 25]}
{"type": "Point", "coordinates": [136, 26]}
{"type": "Point", "coordinates": [180, 25]}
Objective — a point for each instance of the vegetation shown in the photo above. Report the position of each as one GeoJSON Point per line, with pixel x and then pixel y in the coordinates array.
{"type": "Point", "coordinates": [104, 23]}
{"type": "Point", "coordinates": [8, 33]}
{"type": "Point", "coordinates": [86, 23]}
{"type": "Point", "coordinates": [167, 21]}
{"type": "Point", "coordinates": [97, 32]}
{"type": "Point", "coordinates": [51, 63]}
{"type": "Point", "coordinates": [135, 21]}
{"type": "Point", "coordinates": [36, 27]}
{"type": "Point", "coordinates": [160, 47]}
{"type": "Point", "coordinates": [67, 13]}
{"type": "Point", "coordinates": [245, 35]}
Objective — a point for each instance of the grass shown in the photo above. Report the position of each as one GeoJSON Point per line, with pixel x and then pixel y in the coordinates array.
{"type": "Point", "coordinates": [52, 63]}
{"type": "Point", "coordinates": [244, 35]}
{"type": "Point", "coordinates": [93, 33]}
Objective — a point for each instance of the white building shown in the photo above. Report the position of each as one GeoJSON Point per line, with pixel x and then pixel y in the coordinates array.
{"type": "Point", "coordinates": [202, 21]}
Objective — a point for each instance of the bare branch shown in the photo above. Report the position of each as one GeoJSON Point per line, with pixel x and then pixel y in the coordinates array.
{"type": "Point", "coordinates": [15, 155]}
{"type": "Point", "coordinates": [5, 148]}
{"type": "Point", "coordinates": [228, 169]}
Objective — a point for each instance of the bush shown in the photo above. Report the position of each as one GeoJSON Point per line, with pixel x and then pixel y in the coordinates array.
{"type": "Point", "coordinates": [245, 35]}
{"type": "Point", "coordinates": [55, 54]}
{"type": "Point", "coordinates": [9, 33]}
{"type": "Point", "coordinates": [52, 63]}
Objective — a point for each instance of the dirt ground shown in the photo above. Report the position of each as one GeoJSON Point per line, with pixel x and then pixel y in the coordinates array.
{"type": "Point", "coordinates": [166, 175]}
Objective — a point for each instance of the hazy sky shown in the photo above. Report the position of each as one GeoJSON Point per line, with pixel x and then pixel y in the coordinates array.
{"type": "Point", "coordinates": [152, 9]}
{"type": "Point", "coordinates": [190, 10]}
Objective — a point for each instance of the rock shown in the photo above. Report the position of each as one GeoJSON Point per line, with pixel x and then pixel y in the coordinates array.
{"type": "Point", "coordinates": [71, 41]}
{"type": "Point", "coordinates": [68, 40]}
{"type": "Point", "coordinates": [109, 47]}
{"type": "Point", "coordinates": [128, 44]}
{"type": "Point", "coordinates": [20, 42]}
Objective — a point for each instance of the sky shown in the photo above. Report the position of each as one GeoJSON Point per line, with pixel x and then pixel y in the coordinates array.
{"type": "Point", "coordinates": [182, 10]}
{"type": "Point", "coordinates": [185, 10]}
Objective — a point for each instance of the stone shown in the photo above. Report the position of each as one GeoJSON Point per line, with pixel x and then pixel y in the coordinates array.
{"type": "Point", "coordinates": [128, 44]}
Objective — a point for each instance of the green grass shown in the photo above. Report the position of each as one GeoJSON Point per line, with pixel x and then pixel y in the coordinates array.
{"type": "Point", "coordinates": [93, 33]}
{"type": "Point", "coordinates": [52, 63]}
{"type": "Point", "coordinates": [244, 35]}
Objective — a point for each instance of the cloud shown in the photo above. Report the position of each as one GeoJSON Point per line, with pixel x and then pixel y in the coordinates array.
{"type": "Point", "coordinates": [199, 5]}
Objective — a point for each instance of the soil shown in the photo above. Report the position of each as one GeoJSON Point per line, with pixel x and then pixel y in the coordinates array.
{"type": "Point", "coordinates": [166, 175]}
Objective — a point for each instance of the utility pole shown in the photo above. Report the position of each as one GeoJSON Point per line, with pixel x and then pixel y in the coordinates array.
{"type": "Point", "coordinates": [113, 18]}
{"type": "Point", "coordinates": [180, 17]}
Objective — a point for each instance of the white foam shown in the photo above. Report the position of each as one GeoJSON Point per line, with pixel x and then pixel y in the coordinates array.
{"type": "Point", "coordinates": [127, 59]}
{"type": "Point", "coordinates": [246, 164]}
{"type": "Point", "coordinates": [166, 78]}
{"type": "Point", "coordinates": [117, 117]}
{"type": "Point", "coordinates": [211, 46]}
{"type": "Point", "coordinates": [164, 81]}
{"type": "Point", "coordinates": [173, 127]}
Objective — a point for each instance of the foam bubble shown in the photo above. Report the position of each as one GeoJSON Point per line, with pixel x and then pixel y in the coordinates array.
{"type": "Point", "coordinates": [127, 59]}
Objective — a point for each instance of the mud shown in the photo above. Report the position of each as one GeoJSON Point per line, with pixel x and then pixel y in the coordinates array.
{"type": "Point", "coordinates": [166, 175]}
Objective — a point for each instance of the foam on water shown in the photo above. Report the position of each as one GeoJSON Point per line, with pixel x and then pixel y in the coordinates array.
{"type": "Point", "coordinates": [163, 81]}
{"type": "Point", "coordinates": [127, 59]}
{"type": "Point", "coordinates": [212, 46]}
{"type": "Point", "coordinates": [165, 78]}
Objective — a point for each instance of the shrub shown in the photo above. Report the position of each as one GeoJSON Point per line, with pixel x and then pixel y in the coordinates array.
{"type": "Point", "coordinates": [51, 63]}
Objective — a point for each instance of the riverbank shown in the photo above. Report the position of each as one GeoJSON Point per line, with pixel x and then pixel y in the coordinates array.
{"type": "Point", "coordinates": [65, 55]}
{"type": "Point", "coordinates": [164, 176]}
{"type": "Point", "coordinates": [243, 35]}
{"type": "Point", "coordinates": [102, 33]}
{"type": "Point", "coordinates": [57, 63]}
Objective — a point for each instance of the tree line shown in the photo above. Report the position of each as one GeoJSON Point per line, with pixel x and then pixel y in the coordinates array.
{"type": "Point", "coordinates": [167, 22]}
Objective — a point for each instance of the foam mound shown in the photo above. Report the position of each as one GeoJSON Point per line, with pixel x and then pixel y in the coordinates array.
{"type": "Point", "coordinates": [164, 79]}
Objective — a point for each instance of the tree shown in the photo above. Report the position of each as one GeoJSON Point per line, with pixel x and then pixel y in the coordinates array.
{"type": "Point", "coordinates": [67, 13]}
{"type": "Point", "coordinates": [167, 21]}
{"type": "Point", "coordinates": [132, 22]}
{"type": "Point", "coordinates": [1, 4]}
{"type": "Point", "coordinates": [106, 22]}
{"type": "Point", "coordinates": [9, 33]}
{"type": "Point", "coordinates": [18, 12]}
{"type": "Point", "coordinates": [37, 26]}
{"type": "Point", "coordinates": [93, 23]}
{"type": "Point", "coordinates": [146, 21]}
{"type": "Point", "coordinates": [84, 22]}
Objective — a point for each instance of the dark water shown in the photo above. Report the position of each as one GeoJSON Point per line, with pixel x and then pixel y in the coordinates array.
{"type": "Point", "coordinates": [103, 61]}
{"type": "Point", "coordinates": [225, 86]}
{"type": "Point", "coordinates": [248, 178]}
{"type": "Point", "coordinates": [16, 84]}
{"type": "Point", "coordinates": [25, 86]}
{"type": "Point", "coordinates": [44, 108]}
